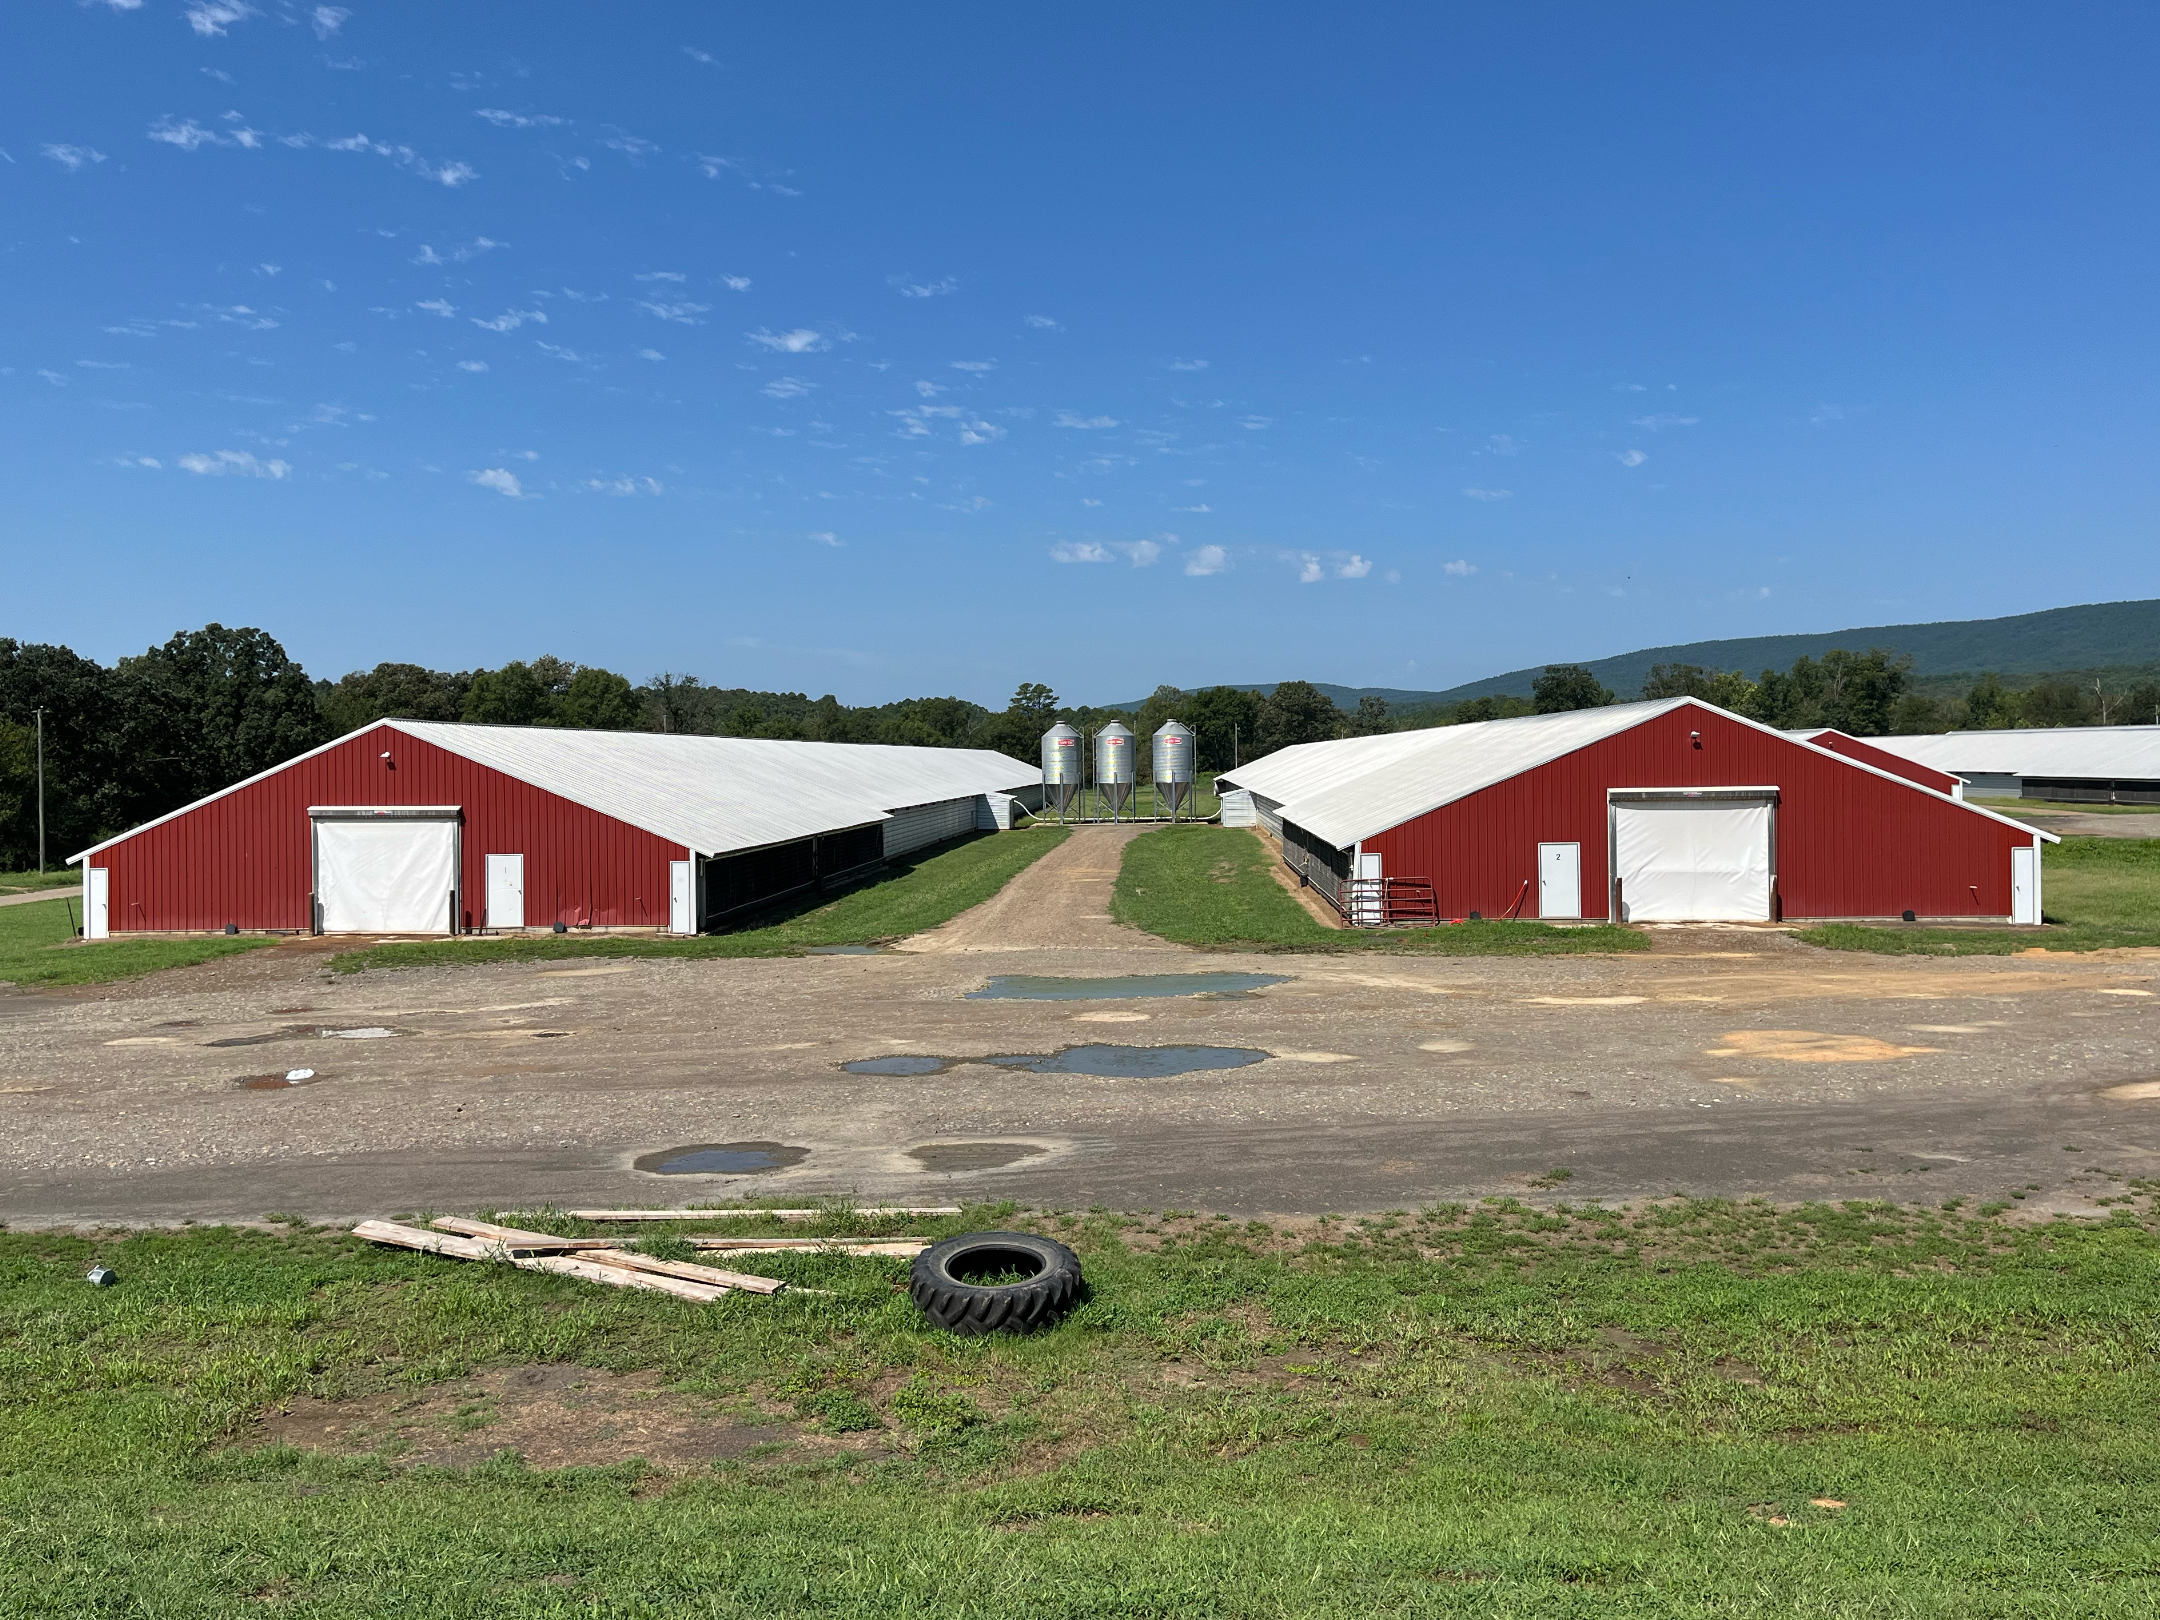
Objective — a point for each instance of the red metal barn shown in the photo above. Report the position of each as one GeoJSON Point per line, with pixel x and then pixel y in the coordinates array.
{"type": "Point", "coordinates": [1665, 811]}
{"type": "Point", "coordinates": [1882, 759]}
{"type": "Point", "coordinates": [420, 827]}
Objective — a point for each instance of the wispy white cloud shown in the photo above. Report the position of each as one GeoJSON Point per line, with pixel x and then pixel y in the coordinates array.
{"type": "Point", "coordinates": [452, 175]}
{"type": "Point", "coordinates": [1043, 323]}
{"type": "Point", "coordinates": [1309, 570]}
{"type": "Point", "coordinates": [735, 283]}
{"type": "Point", "coordinates": [557, 351]}
{"type": "Point", "coordinates": [472, 365]}
{"type": "Point", "coordinates": [1627, 388]}
{"type": "Point", "coordinates": [651, 354]}
{"type": "Point", "coordinates": [1663, 419]}
{"type": "Point", "coordinates": [439, 306]}
{"type": "Point", "coordinates": [1630, 458]}
{"type": "Point", "coordinates": [211, 17]}
{"type": "Point", "coordinates": [1503, 444]}
{"type": "Point", "coordinates": [928, 389]}
{"type": "Point", "coordinates": [1826, 415]}
{"type": "Point", "coordinates": [1202, 507]}
{"type": "Point", "coordinates": [1460, 567]}
{"type": "Point", "coordinates": [788, 388]}
{"type": "Point", "coordinates": [697, 55]}
{"type": "Point", "coordinates": [1203, 560]}
{"type": "Point", "coordinates": [631, 146]}
{"type": "Point", "coordinates": [501, 480]}
{"type": "Point", "coordinates": [457, 255]}
{"type": "Point", "coordinates": [234, 463]}
{"type": "Point", "coordinates": [511, 319]}
{"type": "Point", "coordinates": [825, 537]}
{"type": "Point", "coordinates": [980, 432]}
{"type": "Point", "coordinates": [661, 275]}
{"type": "Point", "coordinates": [803, 340]}
{"type": "Point", "coordinates": [1080, 551]}
{"type": "Point", "coordinates": [623, 486]}
{"type": "Point", "coordinates": [116, 5]}
{"type": "Point", "coordinates": [72, 158]}
{"type": "Point", "coordinates": [1253, 424]}
{"type": "Point", "coordinates": [1353, 567]}
{"type": "Point", "coordinates": [1069, 420]}
{"type": "Point", "coordinates": [1188, 365]}
{"type": "Point", "coordinates": [1477, 494]}
{"type": "Point", "coordinates": [504, 118]}
{"type": "Point", "coordinates": [105, 365]}
{"type": "Point", "coordinates": [186, 134]}
{"type": "Point", "coordinates": [684, 312]}
{"type": "Point", "coordinates": [974, 365]}
{"type": "Point", "coordinates": [328, 20]}
{"type": "Point", "coordinates": [927, 289]}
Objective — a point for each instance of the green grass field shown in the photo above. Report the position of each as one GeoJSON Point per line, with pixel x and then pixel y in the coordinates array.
{"type": "Point", "coordinates": [922, 893]}
{"type": "Point", "coordinates": [37, 946]}
{"type": "Point", "coordinates": [1215, 886]}
{"type": "Point", "coordinates": [2102, 892]}
{"type": "Point", "coordinates": [29, 882]}
{"type": "Point", "coordinates": [2011, 807]}
{"type": "Point", "coordinates": [1680, 1409]}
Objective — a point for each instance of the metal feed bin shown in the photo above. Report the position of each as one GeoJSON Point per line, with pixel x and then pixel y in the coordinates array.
{"type": "Point", "coordinates": [1115, 766]}
{"type": "Point", "coordinates": [1064, 765]}
{"type": "Point", "coordinates": [1173, 769]}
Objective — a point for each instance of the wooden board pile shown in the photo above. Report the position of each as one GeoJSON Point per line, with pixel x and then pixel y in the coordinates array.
{"type": "Point", "coordinates": [598, 1260]}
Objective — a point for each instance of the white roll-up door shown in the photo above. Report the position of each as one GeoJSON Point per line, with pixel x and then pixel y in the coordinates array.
{"type": "Point", "coordinates": [388, 876]}
{"type": "Point", "coordinates": [1693, 860]}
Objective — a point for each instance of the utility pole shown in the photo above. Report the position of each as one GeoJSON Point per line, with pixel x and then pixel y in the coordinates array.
{"type": "Point", "coordinates": [40, 713]}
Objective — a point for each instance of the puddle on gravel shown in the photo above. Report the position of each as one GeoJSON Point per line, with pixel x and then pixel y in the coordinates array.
{"type": "Point", "coordinates": [1108, 1062]}
{"type": "Point", "coordinates": [283, 1081]}
{"type": "Point", "coordinates": [722, 1159]}
{"type": "Point", "coordinates": [295, 1032]}
{"type": "Point", "coordinates": [1125, 987]}
{"type": "Point", "coordinates": [952, 1158]}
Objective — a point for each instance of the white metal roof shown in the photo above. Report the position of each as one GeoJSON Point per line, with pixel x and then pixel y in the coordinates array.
{"type": "Point", "coordinates": [1345, 791]}
{"type": "Point", "coordinates": [2131, 752]}
{"type": "Point", "coordinates": [714, 795]}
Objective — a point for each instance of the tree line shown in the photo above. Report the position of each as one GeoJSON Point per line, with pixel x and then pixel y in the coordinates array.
{"type": "Point", "coordinates": [211, 707]}
{"type": "Point", "coordinates": [127, 743]}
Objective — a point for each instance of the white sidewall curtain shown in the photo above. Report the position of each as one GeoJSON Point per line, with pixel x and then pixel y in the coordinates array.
{"type": "Point", "coordinates": [1689, 861]}
{"type": "Point", "coordinates": [385, 877]}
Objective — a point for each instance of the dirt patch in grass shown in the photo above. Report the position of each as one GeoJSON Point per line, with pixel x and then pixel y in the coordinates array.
{"type": "Point", "coordinates": [552, 1416]}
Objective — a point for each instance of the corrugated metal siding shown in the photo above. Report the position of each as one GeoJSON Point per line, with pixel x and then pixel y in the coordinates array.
{"type": "Point", "coordinates": [918, 825]}
{"type": "Point", "coordinates": [1883, 760]}
{"type": "Point", "coordinates": [243, 858]}
{"type": "Point", "coordinates": [1849, 843]}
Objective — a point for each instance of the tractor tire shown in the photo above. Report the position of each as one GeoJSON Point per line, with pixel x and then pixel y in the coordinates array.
{"type": "Point", "coordinates": [943, 1283]}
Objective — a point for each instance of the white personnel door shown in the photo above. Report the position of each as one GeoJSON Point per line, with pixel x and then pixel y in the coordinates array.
{"type": "Point", "coordinates": [392, 876]}
{"type": "Point", "coordinates": [1559, 887]}
{"type": "Point", "coordinates": [1693, 860]}
{"type": "Point", "coordinates": [97, 903]}
{"type": "Point", "coordinates": [1368, 898]}
{"type": "Point", "coordinates": [506, 891]}
{"type": "Point", "coordinates": [2025, 885]}
{"type": "Point", "coordinates": [681, 918]}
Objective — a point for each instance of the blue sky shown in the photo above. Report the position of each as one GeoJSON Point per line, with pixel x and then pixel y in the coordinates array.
{"type": "Point", "coordinates": [890, 351]}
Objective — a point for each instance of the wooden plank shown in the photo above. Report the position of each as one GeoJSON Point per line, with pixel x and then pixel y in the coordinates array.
{"type": "Point", "coordinates": [513, 1237]}
{"type": "Point", "coordinates": [903, 1248]}
{"type": "Point", "coordinates": [563, 1265]}
{"type": "Point", "coordinates": [743, 1214]}
{"type": "Point", "coordinates": [413, 1237]}
{"type": "Point", "coordinates": [688, 1269]}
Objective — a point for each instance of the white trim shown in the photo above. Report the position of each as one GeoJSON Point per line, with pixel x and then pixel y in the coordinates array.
{"type": "Point", "coordinates": [207, 798]}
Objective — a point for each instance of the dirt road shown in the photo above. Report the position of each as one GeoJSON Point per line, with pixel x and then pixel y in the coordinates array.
{"type": "Point", "coordinates": [1722, 1062]}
